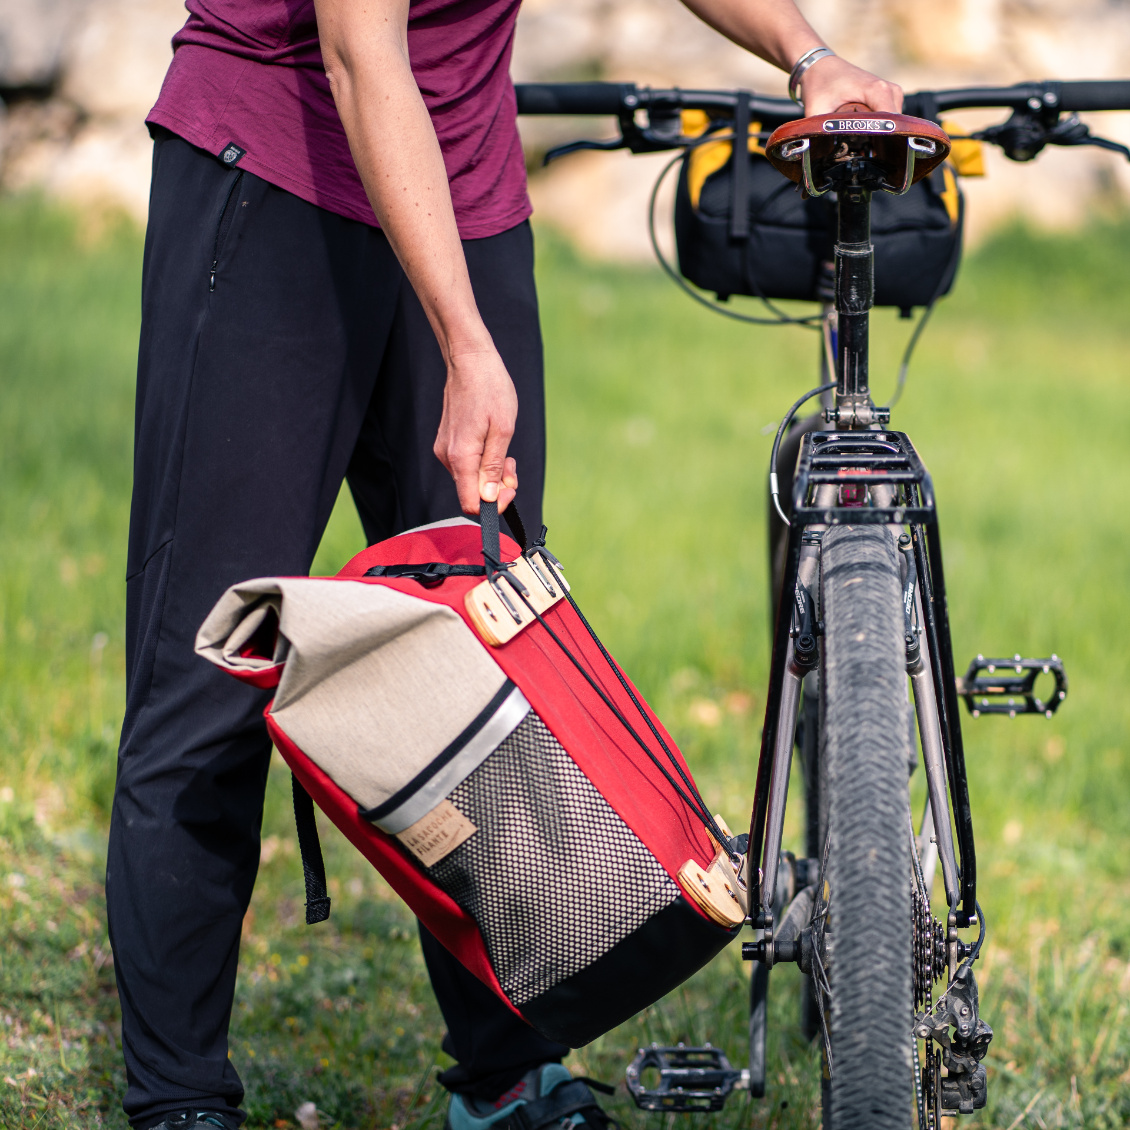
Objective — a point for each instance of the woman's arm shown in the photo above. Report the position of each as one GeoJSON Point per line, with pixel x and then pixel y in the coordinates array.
{"type": "Point", "coordinates": [775, 31]}
{"type": "Point", "coordinates": [365, 52]}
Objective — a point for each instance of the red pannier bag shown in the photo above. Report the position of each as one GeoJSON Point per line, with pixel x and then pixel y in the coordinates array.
{"type": "Point", "coordinates": [447, 706]}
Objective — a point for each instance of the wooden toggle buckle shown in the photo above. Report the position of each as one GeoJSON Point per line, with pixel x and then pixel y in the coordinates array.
{"type": "Point", "coordinates": [718, 890]}
{"type": "Point", "coordinates": [496, 606]}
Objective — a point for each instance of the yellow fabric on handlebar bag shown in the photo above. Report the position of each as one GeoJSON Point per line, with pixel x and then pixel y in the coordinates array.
{"type": "Point", "coordinates": [704, 160]}
{"type": "Point", "coordinates": [967, 156]}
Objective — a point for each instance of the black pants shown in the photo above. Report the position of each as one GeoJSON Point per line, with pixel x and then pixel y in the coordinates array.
{"type": "Point", "coordinates": [281, 352]}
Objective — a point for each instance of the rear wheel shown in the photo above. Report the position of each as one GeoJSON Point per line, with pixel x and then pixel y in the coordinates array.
{"type": "Point", "coordinates": [866, 946]}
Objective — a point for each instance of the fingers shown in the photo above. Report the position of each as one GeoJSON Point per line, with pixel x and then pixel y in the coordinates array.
{"type": "Point", "coordinates": [464, 468]}
{"type": "Point", "coordinates": [832, 82]}
{"type": "Point", "coordinates": [886, 96]}
{"type": "Point", "coordinates": [479, 411]}
{"type": "Point", "coordinates": [509, 484]}
{"type": "Point", "coordinates": [492, 464]}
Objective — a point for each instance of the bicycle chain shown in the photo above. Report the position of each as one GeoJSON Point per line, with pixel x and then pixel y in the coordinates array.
{"type": "Point", "coordinates": [929, 944]}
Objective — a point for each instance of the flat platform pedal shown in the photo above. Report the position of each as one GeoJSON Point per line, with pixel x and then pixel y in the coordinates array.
{"type": "Point", "coordinates": [1008, 686]}
{"type": "Point", "coordinates": [683, 1079]}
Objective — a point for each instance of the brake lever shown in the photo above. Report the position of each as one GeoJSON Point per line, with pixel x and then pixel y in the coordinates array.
{"type": "Point", "coordinates": [1069, 130]}
{"type": "Point", "coordinates": [664, 131]}
{"type": "Point", "coordinates": [577, 146]}
{"type": "Point", "coordinates": [1025, 134]}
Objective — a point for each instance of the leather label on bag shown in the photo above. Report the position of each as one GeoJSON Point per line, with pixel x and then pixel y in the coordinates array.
{"type": "Point", "coordinates": [438, 834]}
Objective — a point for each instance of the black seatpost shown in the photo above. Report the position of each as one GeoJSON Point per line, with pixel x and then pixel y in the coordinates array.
{"type": "Point", "coordinates": [855, 293]}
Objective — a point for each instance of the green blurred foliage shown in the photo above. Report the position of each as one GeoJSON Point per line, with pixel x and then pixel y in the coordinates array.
{"type": "Point", "coordinates": [661, 419]}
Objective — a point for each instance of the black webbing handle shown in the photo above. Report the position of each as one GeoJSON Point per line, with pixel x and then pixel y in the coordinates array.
{"type": "Point", "coordinates": [739, 177]}
{"type": "Point", "coordinates": [313, 868]}
{"type": "Point", "coordinates": [515, 524]}
{"type": "Point", "coordinates": [488, 519]}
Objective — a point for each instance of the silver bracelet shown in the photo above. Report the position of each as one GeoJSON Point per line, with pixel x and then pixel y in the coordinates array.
{"type": "Point", "coordinates": [802, 64]}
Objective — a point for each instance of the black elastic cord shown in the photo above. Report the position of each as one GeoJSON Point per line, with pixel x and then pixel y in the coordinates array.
{"type": "Point", "coordinates": [635, 701]}
{"type": "Point", "coordinates": [313, 868]}
{"type": "Point", "coordinates": [697, 805]}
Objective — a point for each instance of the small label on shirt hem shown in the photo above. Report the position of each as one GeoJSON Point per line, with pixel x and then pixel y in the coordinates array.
{"type": "Point", "coordinates": [231, 154]}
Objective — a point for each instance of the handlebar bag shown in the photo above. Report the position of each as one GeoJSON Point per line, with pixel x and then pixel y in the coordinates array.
{"type": "Point", "coordinates": [787, 252]}
{"type": "Point", "coordinates": [520, 796]}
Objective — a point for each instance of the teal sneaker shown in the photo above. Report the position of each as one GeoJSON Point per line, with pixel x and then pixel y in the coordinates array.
{"type": "Point", "coordinates": [198, 1120]}
{"type": "Point", "coordinates": [547, 1096]}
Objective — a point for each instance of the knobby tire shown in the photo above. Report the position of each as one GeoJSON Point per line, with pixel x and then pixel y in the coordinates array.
{"type": "Point", "coordinates": [865, 751]}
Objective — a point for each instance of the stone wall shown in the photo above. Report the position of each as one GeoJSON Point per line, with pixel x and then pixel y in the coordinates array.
{"type": "Point", "coordinates": [77, 77]}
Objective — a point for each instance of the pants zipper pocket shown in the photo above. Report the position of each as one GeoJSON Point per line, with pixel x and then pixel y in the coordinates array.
{"type": "Point", "coordinates": [226, 214]}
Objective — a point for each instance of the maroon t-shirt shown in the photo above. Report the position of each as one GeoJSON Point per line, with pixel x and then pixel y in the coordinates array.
{"type": "Point", "coordinates": [249, 74]}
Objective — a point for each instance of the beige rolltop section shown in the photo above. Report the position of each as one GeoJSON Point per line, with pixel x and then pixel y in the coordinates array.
{"type": "Point", "coordinates": [392, 696]}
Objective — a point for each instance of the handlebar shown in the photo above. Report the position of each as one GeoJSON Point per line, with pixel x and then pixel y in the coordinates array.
{"type": "Point", "coordinates": [624, 98]}
{"type": "Point", "coordinates": [1068, 97]}
{"type": "Point", "coordinates": [574, 97]}
{"type": "Point", "coordinates": [1112, 94]}
{"type": "Point", "coordinates": [1036, 108]}
{"type": "Point", "coordinates": [584, 98]}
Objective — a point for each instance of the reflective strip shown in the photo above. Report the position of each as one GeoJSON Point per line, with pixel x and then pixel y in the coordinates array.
{"type": "Point", "coordinates": [442, 524]}
{"type": "Point", "coordinates": [454, 765]}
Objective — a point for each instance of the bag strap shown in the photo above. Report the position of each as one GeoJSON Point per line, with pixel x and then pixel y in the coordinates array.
{"type": "Point", "coordinates": [429, 573]}
{"type": "Point", "coordinates": [488, 519]}
{"type": "Point", "coordinates": [313, 867]}
{"type": "Point", "coordinates": [739, 176]}
{"type": "Point", "coordinates": [515, 524]}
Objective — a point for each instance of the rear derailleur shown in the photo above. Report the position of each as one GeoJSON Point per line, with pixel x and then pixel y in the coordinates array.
{"type": "Point", "coordinates": [962, 1039]}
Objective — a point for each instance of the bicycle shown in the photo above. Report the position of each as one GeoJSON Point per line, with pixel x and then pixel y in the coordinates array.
{"type": "Point", "coordinates": [859, 589]}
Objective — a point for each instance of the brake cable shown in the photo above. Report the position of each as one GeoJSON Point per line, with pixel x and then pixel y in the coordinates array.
{"type": "Point", "coordinates": [773, 484]}
{"type": "Point", "coordinates": [780, 318]}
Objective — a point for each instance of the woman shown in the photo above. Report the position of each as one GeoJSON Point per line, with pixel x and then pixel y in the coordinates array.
{"type": "Point", "coordinates": [338, 284]}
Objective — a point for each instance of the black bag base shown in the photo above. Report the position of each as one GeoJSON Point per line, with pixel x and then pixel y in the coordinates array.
{"type": "Point", "coordinates": [633, 974]}
{"type": "Point", "coordinates": [788, 252]}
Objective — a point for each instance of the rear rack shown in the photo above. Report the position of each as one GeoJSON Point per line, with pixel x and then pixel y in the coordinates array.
{"type": "Point", "coordinates": [868, 459]}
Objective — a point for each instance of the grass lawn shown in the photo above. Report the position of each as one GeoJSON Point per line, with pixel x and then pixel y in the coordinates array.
{"type": "Point", "coordinates": [660, 419]}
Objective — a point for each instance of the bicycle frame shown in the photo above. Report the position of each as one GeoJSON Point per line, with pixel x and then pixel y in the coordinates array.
{"type": "Point", "coordinates": [878, 460]}
{"type": "Point", "coordinates": [883, 463]}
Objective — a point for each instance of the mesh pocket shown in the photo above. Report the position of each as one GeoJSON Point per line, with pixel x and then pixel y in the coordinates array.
{"type": "Point", "coordinates": [553, 877]}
